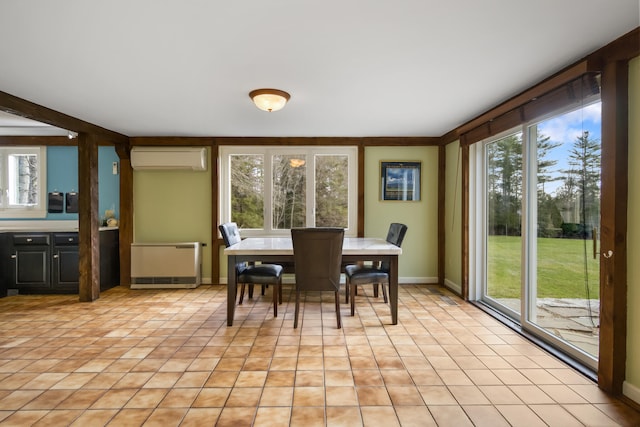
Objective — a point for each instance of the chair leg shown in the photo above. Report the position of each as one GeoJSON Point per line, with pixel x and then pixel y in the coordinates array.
{"type": "Point", "coordinates": [251, 290]}
{"type": "Point", "coordinates": [275, 300]}
{"type": "Point", "coordinates": [384, 293]}
{"type": "Point", "coordinates": [295, 319]}
{"type": "Point", "coordinates": [346, 290]}
{"type": "Point", "coordinates": [375, 290]}
{"type": "Point", "coordinates": [280, 292]}
{"type": "Point", "coordinates": [263, 288]}
{"type": "Point", "coordinates": [339, 319]}
{"type": "Point", "coordinates": [242, 287]}
{"type": "Point", "coordinates": [353, 299]}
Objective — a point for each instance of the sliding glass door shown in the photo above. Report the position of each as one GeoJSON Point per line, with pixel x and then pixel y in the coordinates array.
{"type": "Point", "coordinates": [541, 228]}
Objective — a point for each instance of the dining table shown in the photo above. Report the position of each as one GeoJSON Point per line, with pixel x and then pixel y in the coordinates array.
{"type": "Point", "coordinates": [276, 250]}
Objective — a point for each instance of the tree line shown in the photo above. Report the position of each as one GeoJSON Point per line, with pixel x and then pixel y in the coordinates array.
{"type": "Point", "coordinates": [572, 210]}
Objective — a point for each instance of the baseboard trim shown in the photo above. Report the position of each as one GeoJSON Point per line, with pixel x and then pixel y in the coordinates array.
{"type": "Point", "coordinates": [631, 391]}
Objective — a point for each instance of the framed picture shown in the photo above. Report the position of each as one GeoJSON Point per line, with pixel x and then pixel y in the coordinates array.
{"type": "Point", "coordinates": [400, 181]}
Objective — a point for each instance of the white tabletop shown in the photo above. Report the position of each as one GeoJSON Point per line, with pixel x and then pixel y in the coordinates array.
{"type": "Point", "coordinates": [283, 246]}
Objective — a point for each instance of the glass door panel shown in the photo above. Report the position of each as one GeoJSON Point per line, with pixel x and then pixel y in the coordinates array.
{"type": "Point", "coordinates": [503, 284]}
{"type": "Point", "coordinates": [564, 281]}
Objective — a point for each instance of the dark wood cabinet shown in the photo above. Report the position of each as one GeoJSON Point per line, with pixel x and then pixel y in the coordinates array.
{"type": "Point", "coordinates": [45, 263]}
{"type": "Point", "coordinates": [65, 274]}
{"type": "Point", "coordinates": [30, 262]}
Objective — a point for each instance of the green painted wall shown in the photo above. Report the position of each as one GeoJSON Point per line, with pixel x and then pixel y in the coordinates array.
{"type": "Point", "coordinates": [453, 217]}
{"type": "Point", "coordinates": [419, 261]}
{"type": "Point", "coordinates": [633, 237]}
{"type": "Point", "coordinates": [173, 206]}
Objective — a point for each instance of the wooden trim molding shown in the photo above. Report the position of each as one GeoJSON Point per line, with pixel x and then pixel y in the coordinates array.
{"type": "Point", "coordinates": [442, 189]}
{"type": "Point", "coordinates": [361, 189]}
{"type": "Point", "coordinates": [613, 227]}
{"type": "Point", "coordinates": [464, 210]}
{"type": "Point", "coordinates": [215, 219]}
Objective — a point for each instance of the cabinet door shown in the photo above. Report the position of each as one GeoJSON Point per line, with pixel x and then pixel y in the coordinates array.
{"type": "Point", "coordinates": [31, 267]}
{"type": "Point", "coordinates": [65, 272]}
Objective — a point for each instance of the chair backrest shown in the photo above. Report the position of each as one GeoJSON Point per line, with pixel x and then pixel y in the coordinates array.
{"type": "Point", "coordinates": [395, 236]}
{"type": "Point", "coordinates": [317, 253]}
{"type": "Point", "coordinates": [396, 233]}
{"type": "Point", "coordinates": [230, 233]}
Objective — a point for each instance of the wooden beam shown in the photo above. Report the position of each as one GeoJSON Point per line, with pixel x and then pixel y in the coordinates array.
{"type": "Point", "coordinates": [623, 48]}
{"type": "Point", "coordinates": [176, 141]}
{"type": "Point", "coordinates": [89, 233]}
{"type": "Point", "coordinates": [38, 140]}
{"type": "Point", "coordinates": [21, 107]}
{"type": "Point", "coordinates": [613, 223]}
{"type": "Point", "coordinates": [442, 190]}
{"type": "Point", "coordinates": [329, 141]}
{"type": "Point", "coordinates": [540, 89]}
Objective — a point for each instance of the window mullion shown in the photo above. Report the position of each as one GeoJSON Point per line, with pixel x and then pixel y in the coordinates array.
{"type": "Point", "coordinates": [311, 186]}
{"type": "Point", "coordinates": [268, 191]}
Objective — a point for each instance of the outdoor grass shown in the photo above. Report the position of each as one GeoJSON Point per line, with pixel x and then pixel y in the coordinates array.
{"type": "Point", "coordinates": [560, 269]}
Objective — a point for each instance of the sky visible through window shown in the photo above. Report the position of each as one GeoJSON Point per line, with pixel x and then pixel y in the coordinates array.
{"type": "Point", "coordinates": [565, 129]}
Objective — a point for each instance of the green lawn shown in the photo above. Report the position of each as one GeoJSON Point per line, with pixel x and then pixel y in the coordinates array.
{"type": "Point", "coordinates": [561, 271]}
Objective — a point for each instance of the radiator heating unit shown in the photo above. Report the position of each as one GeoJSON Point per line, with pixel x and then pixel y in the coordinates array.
{"type": "Point", "coordinates": [166, 265]}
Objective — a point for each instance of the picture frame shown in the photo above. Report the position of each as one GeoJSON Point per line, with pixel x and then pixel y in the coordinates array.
{"type": "Point", "coordinates": [400, 181]}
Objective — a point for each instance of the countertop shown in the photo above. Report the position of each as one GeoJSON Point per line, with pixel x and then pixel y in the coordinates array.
{"type": "Point", "coordinates": [43, 227]}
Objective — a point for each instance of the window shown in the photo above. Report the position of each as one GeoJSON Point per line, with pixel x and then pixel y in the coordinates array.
{"type": "Point", "coordinates": [23, 182]}
{"type": "Point", "coordinates": [269, 190]}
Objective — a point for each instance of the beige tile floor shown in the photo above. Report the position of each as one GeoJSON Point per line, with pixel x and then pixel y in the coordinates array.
{"type": "Point", "coordinates": [166, 357]}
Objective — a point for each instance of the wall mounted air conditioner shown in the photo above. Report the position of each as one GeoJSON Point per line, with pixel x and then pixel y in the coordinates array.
{"type": "Point", "coordinates": [187, 158]}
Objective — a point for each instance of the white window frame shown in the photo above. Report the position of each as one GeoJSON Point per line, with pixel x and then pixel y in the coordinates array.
{"type": "Point", "coordinates": [311, 152]}
{"type": "Point", "coordinates": [39, 210]}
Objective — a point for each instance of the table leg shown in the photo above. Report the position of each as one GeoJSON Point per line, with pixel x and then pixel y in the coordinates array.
{"type": "Point", "coordinates": [231, 288]}
{"type": "Point", "coordinates": [393, 288]}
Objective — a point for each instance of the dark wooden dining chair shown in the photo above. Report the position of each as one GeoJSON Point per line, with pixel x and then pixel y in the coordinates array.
{"type": "Point", "coordinates": [258, 274]}
{"type": "Point", "coordinates": [362, 274]}
{"type": "Point", "coordinates": [317, 253]}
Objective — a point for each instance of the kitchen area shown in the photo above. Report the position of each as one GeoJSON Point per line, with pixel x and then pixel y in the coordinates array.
{"type": "Point", "coordinates": [39, 232]}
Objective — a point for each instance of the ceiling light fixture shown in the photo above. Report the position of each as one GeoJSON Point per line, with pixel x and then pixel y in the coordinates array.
{"type": "Point", "coordinates": [72, 134]}
{"type": "Point", "coordinates": [269, 99]}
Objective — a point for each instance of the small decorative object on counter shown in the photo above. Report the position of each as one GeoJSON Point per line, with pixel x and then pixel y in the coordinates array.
{"type": "Point", "coordinates": [110, 218]}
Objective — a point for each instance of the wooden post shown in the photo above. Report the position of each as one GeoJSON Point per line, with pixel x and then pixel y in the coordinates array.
{"type": "Point", "coordinates": [613, 227]}
{"type": "Point", "coordinates": [442, 189]}
{"type": "Point", "coordinates": [89, 217]}
{"type": "Point", "coordinates": [125, 223]}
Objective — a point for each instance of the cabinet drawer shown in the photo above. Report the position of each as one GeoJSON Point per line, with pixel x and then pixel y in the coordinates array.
{"type": "Point", "coordinates": [30, 239]}
{"type": "Point", "coordinates": [60, 239]}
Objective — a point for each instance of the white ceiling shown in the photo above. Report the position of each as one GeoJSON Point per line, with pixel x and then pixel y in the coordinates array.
{"type": "Point", "coordinates": [353, 67]}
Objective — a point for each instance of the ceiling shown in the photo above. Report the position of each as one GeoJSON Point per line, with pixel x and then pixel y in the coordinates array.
{"type": "Point", "coordinates": [354, 68]}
